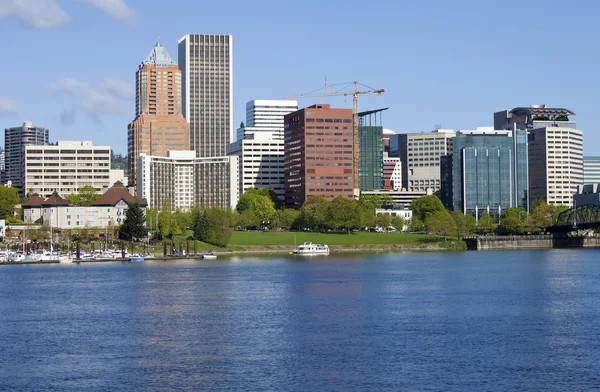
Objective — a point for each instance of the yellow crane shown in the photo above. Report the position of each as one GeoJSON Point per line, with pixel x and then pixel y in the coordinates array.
{"type": "Point", "coordinates": [342, 89]}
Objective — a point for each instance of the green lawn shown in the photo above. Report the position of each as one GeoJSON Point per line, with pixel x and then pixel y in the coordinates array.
{"type": "Point", "coordinates": [287, 238]}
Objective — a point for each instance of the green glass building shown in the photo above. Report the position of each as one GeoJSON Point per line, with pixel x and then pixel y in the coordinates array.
{"type": "Point", "coordinates": [370, 150]}
{"type": "Point", "coordinates": [486, 172]}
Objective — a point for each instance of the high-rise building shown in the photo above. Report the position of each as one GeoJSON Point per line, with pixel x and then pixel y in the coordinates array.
{"type": "Point", "coordinates": [185, 180]}
{"type": "Point", "coordinates": [2, 171]}
{"type": "Point", "coordinates": [555, 151]}
{"type": "Point", "coordinates": [260, 145]}
{"type": "Point", "coordinates": [15, 140]}
{"type": "Point", "coordinates": [207, 67]}
{"type": "Point", "coordinates": [318, 154]}
{"type": "Point", "coordinates": [487, 171]}
{"type": "Point", "coordinates": [65, 167]}
{"type": "Point", "coordinates": [387, 133]}
{"type": "Point", "coordinates": [591, 170]}
{"type": "Point", "coordinates": [392, 174]}
{"type": "Point", "coordinates": [420, 156]}
{"type": "Point", "coordinates": [370, 145]}
{"type": "Point", "coordinates": [159, 125]}
{"type": "Point", "coordinates": [264, 119]}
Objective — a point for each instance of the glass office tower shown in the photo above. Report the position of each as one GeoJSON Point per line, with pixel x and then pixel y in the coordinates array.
{"type": "Point", "coordinates": [487, 171]}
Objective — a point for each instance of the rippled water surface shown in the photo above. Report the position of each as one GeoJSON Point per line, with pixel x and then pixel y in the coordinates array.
{"type": "Point", "coordinates": [483, 321]}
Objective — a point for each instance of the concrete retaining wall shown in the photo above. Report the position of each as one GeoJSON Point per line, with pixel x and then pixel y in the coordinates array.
{"type": "Point", "coordinates": [530, 242]}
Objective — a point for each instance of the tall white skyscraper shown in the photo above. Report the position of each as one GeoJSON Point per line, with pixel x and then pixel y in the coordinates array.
{"type": "Point", "coordinates": [206, 63]}
{"type": "Point", "coordinates": [259, 145]}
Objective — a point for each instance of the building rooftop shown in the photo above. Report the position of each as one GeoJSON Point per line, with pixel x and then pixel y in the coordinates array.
{"type": "Point", "coordinates": [34, 201]}
{"type": "Point", "coordinates": [117, 193]}
{"type": "Point", "coordinates": [55, 200]}
{"type": "Point", "coordinates": [159, 57]}
{"type": "Point", "coordinates": [541, 110]}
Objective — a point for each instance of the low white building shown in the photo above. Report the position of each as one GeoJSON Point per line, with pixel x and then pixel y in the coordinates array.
{"type": "Point", "coordinates": [107, 211]}
{"type": "Point", "coordinates": [66, 167]}
{"type": "Point", "coordinates": [185, 180]}
{"type": "Point", "coordinates": [397, 210]}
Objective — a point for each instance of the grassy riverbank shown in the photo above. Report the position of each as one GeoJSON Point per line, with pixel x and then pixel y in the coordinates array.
{"type": "Point", "coordinates": [257, 238]}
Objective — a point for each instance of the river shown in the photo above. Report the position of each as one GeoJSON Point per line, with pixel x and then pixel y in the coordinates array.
{"type": "Point", "coordinates": [481, 321]}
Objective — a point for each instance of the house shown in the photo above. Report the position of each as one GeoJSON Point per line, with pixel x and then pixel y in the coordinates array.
{"type": "Point", "coordinates": [107, 211]}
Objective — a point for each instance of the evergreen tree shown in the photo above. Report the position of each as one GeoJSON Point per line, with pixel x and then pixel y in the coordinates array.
{"type": "Point", "coordinates": [134, 224]}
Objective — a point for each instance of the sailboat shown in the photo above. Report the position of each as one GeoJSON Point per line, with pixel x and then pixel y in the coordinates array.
{"type": "Point", "coordinates": [49, 256]}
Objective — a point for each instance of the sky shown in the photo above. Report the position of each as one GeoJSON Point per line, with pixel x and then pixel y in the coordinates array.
{"type": "Point", "coordinates": [69, 65]}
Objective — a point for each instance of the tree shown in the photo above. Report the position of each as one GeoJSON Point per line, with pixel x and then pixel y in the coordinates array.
{"type": "Point", "coordinates": [200, 224]}
{"type": "Point", "coordinates": [314, 212]}
{"type": "Point", "coordinates": [511, 225]}
{"type": "Point", "coordinates": [366, 210]}
{"type": "Point", "coordinates": [221, 222]}
{"type": "Point", "coordinates": [461, 223]}
{"type": "Point", "coordinates": [9, 198]}
{"type": "Point", "coordinates": [384, 220]}
{"type": "Point", "coordinates": [242, 125]}
{"type": "Point", "coordinates": [425, 206]}
{"type": "Point", "coordinates": [288, 217]}
{"type": "Point", "coordinates": [485, 225]}
{"type": "Point", "coordinates": [248, 219]}
{"type": "Point", "coordinates": [416, 225]}
{"type": "Point", "coordinates": [86, 196]}
{"type": "Point", "coordinates": [180, 221]}
{"type": "Point", "coordinates": [134, 224]}
{"type": "Point", "coordinates": [441, 223]}
{"type": "Point", "coordinates": [470, 224]}
{"type": "Point", "coordinates": [342, 214]}
{"type": "Point", "coordinates": [259, 203]}
{"type": "Point", "coordinates": [398, 223]}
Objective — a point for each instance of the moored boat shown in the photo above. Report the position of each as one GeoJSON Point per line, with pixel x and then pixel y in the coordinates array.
{"type": "Point", "coordinates": [310, 249]}
{"type": "Point", "coordinates": [209, 256]}
{"type": "Point", "coordinates": [136, 258]}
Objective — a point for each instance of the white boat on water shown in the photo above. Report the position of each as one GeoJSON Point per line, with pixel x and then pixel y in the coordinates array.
{"type": "Point", "coordinates": [209, 256]}
{"type": "Point", "coordinates": [310, 249]}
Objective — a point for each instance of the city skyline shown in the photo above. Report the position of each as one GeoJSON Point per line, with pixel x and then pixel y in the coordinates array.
{"type": "Point", "coordinates": [449, 73]}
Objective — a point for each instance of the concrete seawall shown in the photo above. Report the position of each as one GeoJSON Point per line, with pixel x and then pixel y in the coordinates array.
{"type": "Point", "coordinates": [530, 242]}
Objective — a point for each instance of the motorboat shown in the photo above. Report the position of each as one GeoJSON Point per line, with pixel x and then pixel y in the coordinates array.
{"type": "Point", "coordinates": [136, 258]}
{"type": "Point", "coordinates": [310, 249]}
{"type": "Point", "coordinates": [209, 256]}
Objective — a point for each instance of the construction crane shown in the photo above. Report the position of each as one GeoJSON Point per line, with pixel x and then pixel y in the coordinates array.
{"type": "Point", "coordinates": [342, 89]}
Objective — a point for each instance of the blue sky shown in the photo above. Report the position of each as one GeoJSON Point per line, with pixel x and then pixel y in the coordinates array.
{"type": "Point", "coordinates": [69, 65]}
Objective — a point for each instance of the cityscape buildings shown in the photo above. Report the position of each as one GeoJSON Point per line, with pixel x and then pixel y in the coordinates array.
{"type": "Point", "coordinates": [183, 180]}
{"type": "Point", "coordinates": [387, 133]}
{"type": "Point", "coordinates": [15, 140]}
{"type": "Point", "coordinates": [555, 151]}
{"type": "Point", "coordinates": [420, 156]}
{"type": "Point", "coordinates": [591, 170]}
{"type": "Point", "coordinates": [65, 167]}
{"type": "Point", "coordinates": [318, 154]}
{"type": "Point", "coordinates": [487, 171]}
{"type": "Point", "coordinates": [159, 125]}
{"type": "Point", "coordinates": [206, 63]}
{"type": "Point", "coordinates": [259, 145]}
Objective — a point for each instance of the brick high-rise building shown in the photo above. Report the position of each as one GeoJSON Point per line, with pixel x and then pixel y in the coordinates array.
{"type": "Point", "coordinates": [159, 125]}
{"type": "Point", "coordinates": [318, 154]}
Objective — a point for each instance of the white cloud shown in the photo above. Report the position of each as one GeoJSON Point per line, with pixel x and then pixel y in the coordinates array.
{"type": "Point", "coordinates": [111, 97]}
{"type": "Point", "coordinates": [8, 106]}
{"type": "Point", "coordinates": [119, 88]}
{"type": "Point", "coordinates": [39, 14]}
{"type": "Point", "coordinates": [115, 8]}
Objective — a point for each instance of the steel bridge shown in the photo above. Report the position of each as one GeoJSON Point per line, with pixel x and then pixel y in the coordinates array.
{"type": "Point", "coordinates": [582, 217]}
